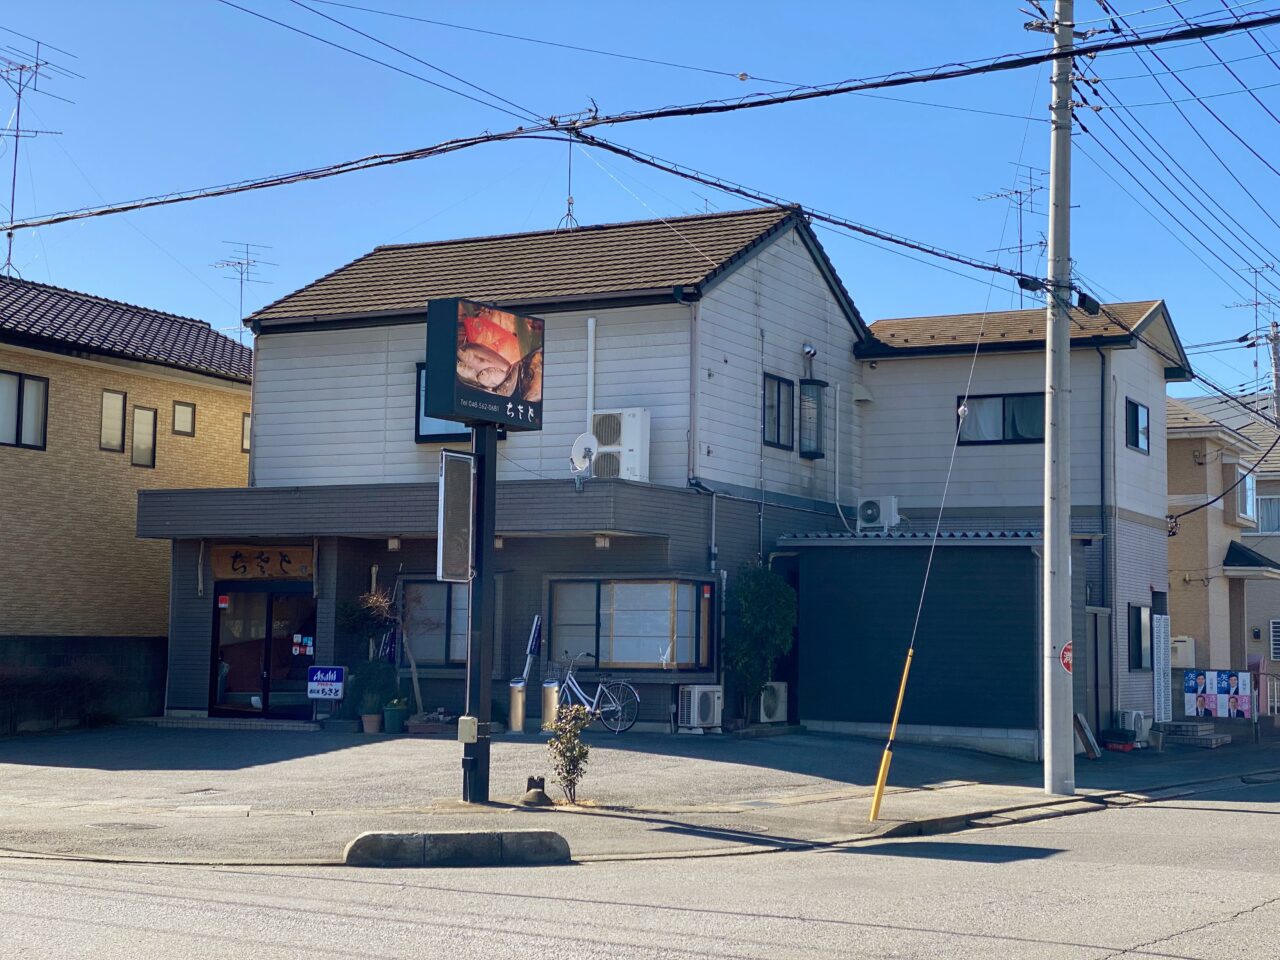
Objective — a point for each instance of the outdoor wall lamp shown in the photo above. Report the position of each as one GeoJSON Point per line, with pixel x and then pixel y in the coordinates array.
{"type": "Point", "coordinates": [602, 542]}
{"type": "Point", "coordinates": [393, 544]}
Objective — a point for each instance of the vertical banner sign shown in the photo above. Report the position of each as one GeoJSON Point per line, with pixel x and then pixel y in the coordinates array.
{"type": "Point", "coordinates": [455, 537]}
{"type": "Point", "coordinates": [1161, 664]}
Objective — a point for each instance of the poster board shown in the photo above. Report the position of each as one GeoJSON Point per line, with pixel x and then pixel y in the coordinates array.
{"type": "Point", "coordinates": [1217, 694]}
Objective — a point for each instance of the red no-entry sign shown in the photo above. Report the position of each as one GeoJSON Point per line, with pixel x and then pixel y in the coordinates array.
{"type": "Point", "coordinates": [1064, 657]}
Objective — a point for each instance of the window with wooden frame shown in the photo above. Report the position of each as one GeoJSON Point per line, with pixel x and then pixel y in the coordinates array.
{"type": "Point", "coordinates": [436, 620]}
{"type": "Point", "coordinates": [1001, 418]}
{"type": "Point", "coordinates": [111, 428]}
{"type": "Point", "coordinates": [24, 410]}
{"type": "Point", "coordinates": [184, 419]}
{"type": "Point", "coordinates": [635, 624]}
{"type": "Point", "coordinates": [143, 449]}
{"type": "Point", "coordinates": [779, 412]}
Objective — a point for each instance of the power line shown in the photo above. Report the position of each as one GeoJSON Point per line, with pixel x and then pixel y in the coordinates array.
{"type": "Point", "coordinates": [1235, 76]}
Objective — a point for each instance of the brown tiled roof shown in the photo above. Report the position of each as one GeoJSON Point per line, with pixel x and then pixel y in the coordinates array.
{"type": "Point", "coordinates": [1179, 415]}
{"type": "Point", "coordinates": [618, 258]}
{"type": "Point", "coordinates": [1235, 416]}
{"type": "Point", "coordinates": [1000, 327]}
{"type": "Point", "coordinates": [41, 314]}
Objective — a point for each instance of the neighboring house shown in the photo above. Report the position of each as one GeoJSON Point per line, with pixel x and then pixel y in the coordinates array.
{"type": "Point", "coordinates": [916, 372]}
{"type": "Point", "coordinates": [684, 340]}
{"type": "Point", "coordinates": [100, 399]}
{"type": "Point", "coordinates": [1209, 566]}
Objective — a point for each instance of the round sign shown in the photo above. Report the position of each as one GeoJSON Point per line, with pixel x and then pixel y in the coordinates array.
{"type": "Point", "coordinates": [1064, 657]}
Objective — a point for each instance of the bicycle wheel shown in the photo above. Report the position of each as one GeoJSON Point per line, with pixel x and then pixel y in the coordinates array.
{"type": "Point", "coordinates": [619, 705]}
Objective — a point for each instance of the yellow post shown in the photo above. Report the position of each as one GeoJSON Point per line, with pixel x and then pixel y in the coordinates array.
{"type": "Point", "coordinates": [883, 776]}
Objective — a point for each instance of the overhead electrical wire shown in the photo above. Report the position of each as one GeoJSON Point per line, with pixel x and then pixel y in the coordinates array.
{"type": "Point", "coordinates": [1235, 76]}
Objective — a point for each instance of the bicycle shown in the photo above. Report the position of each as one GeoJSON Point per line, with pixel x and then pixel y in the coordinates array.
{"type": "Point", "coordinates": [615, 704]}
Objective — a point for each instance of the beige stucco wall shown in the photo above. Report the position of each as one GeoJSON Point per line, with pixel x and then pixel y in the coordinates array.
{"type": "Point", "coordinates": [70, 563]}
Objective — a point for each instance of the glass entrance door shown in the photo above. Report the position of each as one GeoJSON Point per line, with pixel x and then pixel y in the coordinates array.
{"type": "Point", "coordinates": [292, 650]}
{"type": "Point", "coordinates": [241, 633]}
{"type": "Point", "coordinates": [264, 640]}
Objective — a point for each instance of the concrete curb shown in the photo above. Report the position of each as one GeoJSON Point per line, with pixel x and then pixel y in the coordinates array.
{"type": "Point", "coordinates": [486, 848]}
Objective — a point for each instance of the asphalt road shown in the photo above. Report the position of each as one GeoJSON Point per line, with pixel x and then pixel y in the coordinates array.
{"type": "Point", "coordinates": [1197, 877]}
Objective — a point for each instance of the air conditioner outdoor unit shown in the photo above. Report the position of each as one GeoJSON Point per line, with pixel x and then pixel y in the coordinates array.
{"type": "Point", "coordinates": [624, 444]}
{"type": "Point", "coordinates": [877, 514]}
{"type": "Point", "coordinates": [773, 703]}
{"type": "Point", "coordinates": [699, 706]}
{"type": "Point", "coordinates": [1136, 721]}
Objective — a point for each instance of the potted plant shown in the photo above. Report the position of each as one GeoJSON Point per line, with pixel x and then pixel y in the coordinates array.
{"type": "Point", "coordinates": [394, 715]}
{"type": "Point", "coordinates": [762, 622]}
{"type": "Point", "coordinates": [374, 682]}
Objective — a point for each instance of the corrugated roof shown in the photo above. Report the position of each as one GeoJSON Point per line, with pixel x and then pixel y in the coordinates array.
{"type": "Point", "coordinates": [41, 313]}
{"type": "Point", "coordinates": [618, 258]}
{"type": "Point", "coordinates": [826, 537]}
{"type": "Point", "coordinates": [999, 327]}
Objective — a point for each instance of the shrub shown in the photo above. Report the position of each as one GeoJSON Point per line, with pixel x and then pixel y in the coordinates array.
{"type": "Point", "coordinates": [762, 622]}
{"type": "Point", "coordinates": [568, 752]}
{"type": "Point", "coordinates": [373, 683]}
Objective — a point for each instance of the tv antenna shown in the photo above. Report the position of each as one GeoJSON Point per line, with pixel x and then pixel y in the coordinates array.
{"type": "Point", "coordinates": [1023, 196]}
{"type": "Point", "coordinates": [581, 457]}
{"type": "Point", "coordinates": [569, 221]}
{"type": "Point", "coordinates": [244, 267]}
{"type": "Point", "coordinates": [23, 74]}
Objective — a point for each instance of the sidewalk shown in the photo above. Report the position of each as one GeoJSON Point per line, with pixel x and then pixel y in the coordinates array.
{"type": "Point", "coordinates": [146, 794]}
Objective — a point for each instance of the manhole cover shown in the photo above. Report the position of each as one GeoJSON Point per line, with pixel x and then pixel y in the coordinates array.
{"type": "Point", "coordinates": [126, 826]}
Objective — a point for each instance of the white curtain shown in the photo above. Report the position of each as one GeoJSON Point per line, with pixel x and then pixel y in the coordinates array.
{"type": "Point", "coordinates": [1024, 417]}
{"type": "Point", "coordinates": [985, 420]}
{"type": "Point", "coordinates": [1268, 514]}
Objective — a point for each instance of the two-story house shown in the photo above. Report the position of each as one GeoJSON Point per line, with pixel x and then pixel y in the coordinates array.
{"type": "Point", "coordinates": [916, 374]}
{"type": "Point", "coordinates": [98, 400]}
{"type": "Point", "coordinates": [711, 355]}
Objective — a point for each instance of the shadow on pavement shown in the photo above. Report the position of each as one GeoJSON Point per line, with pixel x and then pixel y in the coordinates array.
{"type": "Point", "coordinates": [964, 852]}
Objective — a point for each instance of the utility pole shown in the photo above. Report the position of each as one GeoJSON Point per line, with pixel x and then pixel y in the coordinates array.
{"type": "Point", "coordinates": [1273, 340]}
{"type": "Point", "coordinates": [1058, 732]}
{"type": "Point", "coordinates": [1255, 386]}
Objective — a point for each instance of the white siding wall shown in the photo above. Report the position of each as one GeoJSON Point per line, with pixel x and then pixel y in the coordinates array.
{"type": "Point", "coordinates": [908, 429]}
{"type": "Point", "coordinates": [338, 406]}
{"type": "Point", "coordinates": [1141, 481]}
{"type": "Point", "coordinates": [782, 292]}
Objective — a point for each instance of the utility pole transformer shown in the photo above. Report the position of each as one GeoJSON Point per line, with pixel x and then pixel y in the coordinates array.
{"type": "Point", "coordinates": [1058, 730]}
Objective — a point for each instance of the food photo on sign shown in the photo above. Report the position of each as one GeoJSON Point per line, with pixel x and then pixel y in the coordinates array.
{"type": "Point", "coordinates": [484, 365]}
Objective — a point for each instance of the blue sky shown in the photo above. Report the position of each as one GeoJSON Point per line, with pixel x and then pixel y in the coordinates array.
{"type": "Point", "coordinates": [186, 93]}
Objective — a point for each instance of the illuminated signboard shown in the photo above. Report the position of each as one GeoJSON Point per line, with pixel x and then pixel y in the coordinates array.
{"type": "Point", "coordinates": [483, 365]}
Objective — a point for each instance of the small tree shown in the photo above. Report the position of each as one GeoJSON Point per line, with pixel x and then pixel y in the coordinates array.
{"type": "Point", "coordinates": [568, 752]}
{"type": "Point", "coordinates": [762, 622]}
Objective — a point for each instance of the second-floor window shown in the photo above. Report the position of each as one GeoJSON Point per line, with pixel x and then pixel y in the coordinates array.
{"type": "Point", "coordinates": [111, 430]}
{"type": "Point", "coordinates": [1002, 418]}
{"type": "Point", "coordinates": [184, 419]}
{"type": "Point", "coordinates": [811, 418]}
{"type": "Point", "coordinates": [24, 409]}
{"type": "Point", "coordinates": [779, 412]}
{"type": "Point", "coordinates": [1268, 514]}
{"type": "Point", "coordinates": [1137, 426]}
{"type": "Point", "coordinates": [1247, 495]}
{"type": "Point", "coordinates": [245, 423]}
{"type": "Point", "coordinates": [144, 437]}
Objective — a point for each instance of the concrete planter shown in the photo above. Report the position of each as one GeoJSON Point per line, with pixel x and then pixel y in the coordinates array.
{"type": "Point", "coordinates": [372, 722]}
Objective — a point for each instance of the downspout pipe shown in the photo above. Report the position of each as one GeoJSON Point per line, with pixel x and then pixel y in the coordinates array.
{"type": "Point", "coordinates": [1102, 470]}
{"type": "Point", "coordinates": [591, 371]}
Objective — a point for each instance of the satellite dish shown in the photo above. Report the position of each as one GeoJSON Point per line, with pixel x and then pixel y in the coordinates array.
{"type": "Point", "coordinates": [583, 452]}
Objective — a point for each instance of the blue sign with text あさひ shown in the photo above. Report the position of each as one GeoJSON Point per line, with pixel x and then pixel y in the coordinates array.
{"type": "Point", "coordinates": [326, 683]}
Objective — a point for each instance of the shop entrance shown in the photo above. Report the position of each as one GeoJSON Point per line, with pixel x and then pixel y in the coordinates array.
{"type": "Point", "coordinates": [264, 638]}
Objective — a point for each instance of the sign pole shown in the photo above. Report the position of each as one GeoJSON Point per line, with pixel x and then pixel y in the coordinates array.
{"type": "Point", "coordinates": [480, 640]}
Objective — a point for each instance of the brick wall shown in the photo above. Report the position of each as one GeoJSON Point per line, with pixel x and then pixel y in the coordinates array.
{"type": "Point", "coordinates": [70, 562]}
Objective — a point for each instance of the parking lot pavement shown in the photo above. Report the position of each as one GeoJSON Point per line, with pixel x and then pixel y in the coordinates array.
{"type": "Point", "coordinates": [218, 796]}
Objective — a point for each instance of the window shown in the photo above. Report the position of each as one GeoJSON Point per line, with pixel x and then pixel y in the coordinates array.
{"type": "Point", "coordinates": [24, 410]}
{"type": "Point", "coordinates": [429, 429]}
{"type": "Point", "coordinates": [184, 419]}
{"type": "Point", "coordinates": [779, 412]}
{"type": "Point", "coordinates": [1247, 495]}
{"type": "Point", "coordinates": [1139, 637]}
{"type": "Point", "coordinates": [1275, 639]}
{"type": "Point", "coordinates": [1003, 418]}
{"type": "Point", "coordinates": [811, 418]}
{"type": "Point", "coordinates": [111, 435]}
{"type": "Point", "coordinates": [1268, 514]}
{"type": "Point", "coordinates": [144, 437]}
{"type": "Point", "coordinates": [436, 619]}
{"type": "Point", "coordinates": [244, 434]}
{"type": "Point", "coordinates": [634, 624]}
{"type": "Point", "coordinates": [1137, 426]}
